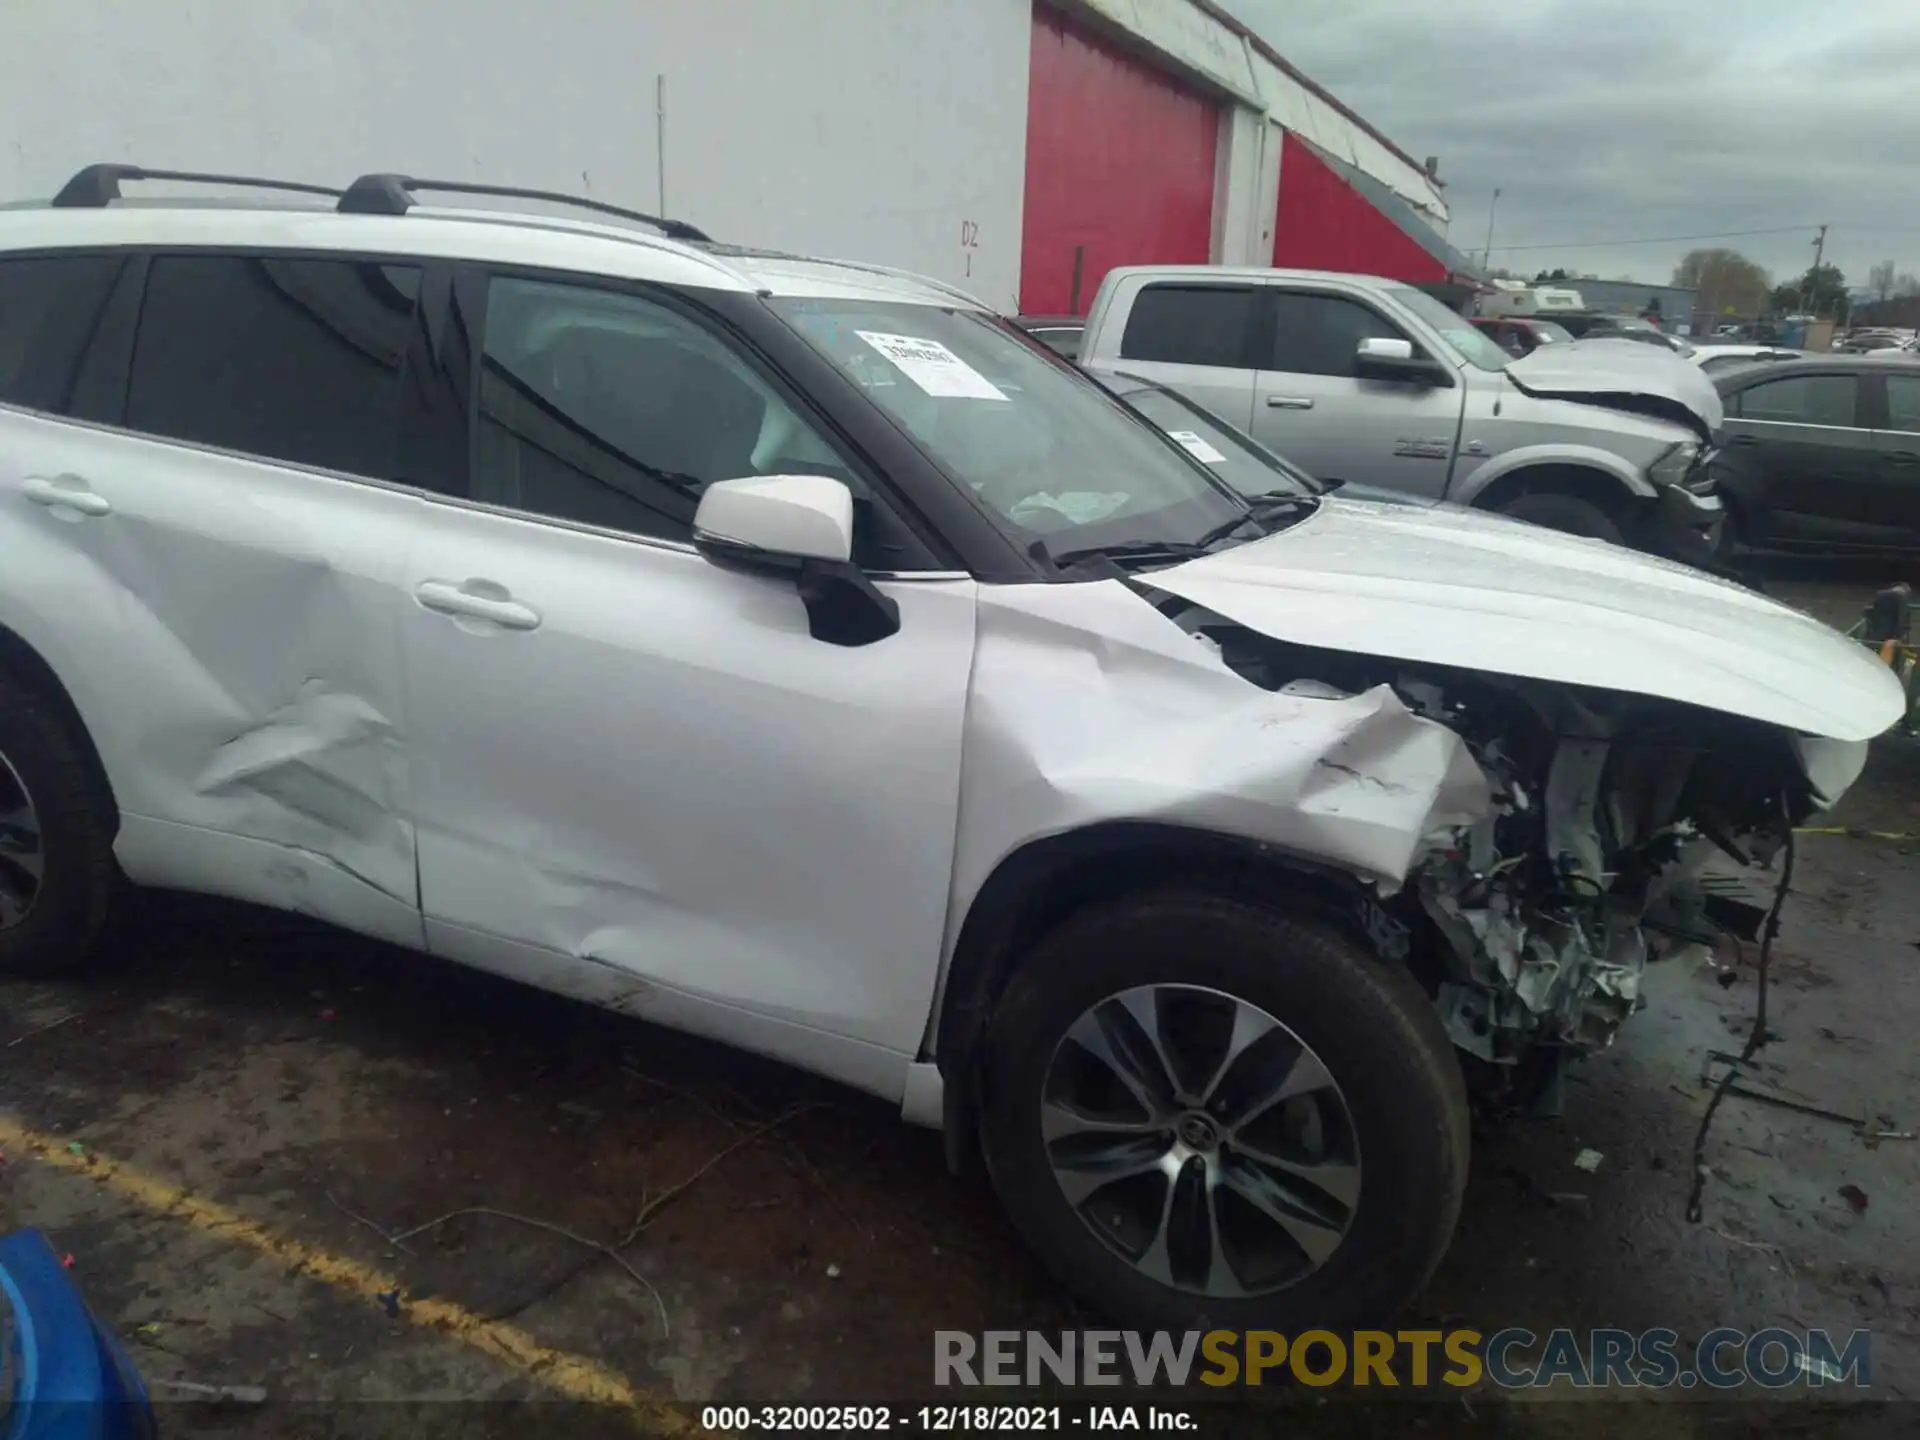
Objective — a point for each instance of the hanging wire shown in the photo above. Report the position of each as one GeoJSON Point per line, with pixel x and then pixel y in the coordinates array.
{"type": "Point", "coordinates": [1758, 1036]}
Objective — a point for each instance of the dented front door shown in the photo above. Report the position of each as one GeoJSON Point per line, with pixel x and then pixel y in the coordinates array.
{"type": "Point", "coordinates": [642, 782]}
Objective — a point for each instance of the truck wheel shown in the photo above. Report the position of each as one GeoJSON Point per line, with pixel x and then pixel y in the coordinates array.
{"type": "Point", "coordinates": [1568, 513]}
{"type": "Point", "coordinates": [1205, 1112]}
{"type": "Point", "coordinates": [57, 871]}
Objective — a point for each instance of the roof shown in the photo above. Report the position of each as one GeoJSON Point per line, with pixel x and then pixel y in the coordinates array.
{"type": "Point", "coordinates": [1388, 201]}
{"type": "Point", "coordinates": [1305, 81]}
{"type": "Point", "coordinates": [498, 236]}
{"type": "Point", "coordinates": [1813, 365]}
{"type": "Point", "coordinates": [1258, 272]}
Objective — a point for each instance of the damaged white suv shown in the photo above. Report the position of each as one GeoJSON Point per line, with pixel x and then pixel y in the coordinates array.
{"type": "Point", "coordinates": [793, 652]}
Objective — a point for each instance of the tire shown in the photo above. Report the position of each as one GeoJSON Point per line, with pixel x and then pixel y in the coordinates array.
{"type": "Point", "coordinates": [51, 922]}
{"type": "Point", "coordinates": [1568, 513]}
{"type": "Point", "coordinates": [1367, 1022]}
{"type": "Point", "coordinates": [1732, 540]}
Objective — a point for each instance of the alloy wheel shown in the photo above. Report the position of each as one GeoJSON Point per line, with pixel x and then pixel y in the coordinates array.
{"type": "Point", "coordinates": [22, 848]}
{"type": "Point", "coordinates": [1201, 1140]}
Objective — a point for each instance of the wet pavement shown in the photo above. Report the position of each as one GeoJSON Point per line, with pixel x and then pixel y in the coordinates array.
{"type": "Point", "coordinates": [278, 1092]}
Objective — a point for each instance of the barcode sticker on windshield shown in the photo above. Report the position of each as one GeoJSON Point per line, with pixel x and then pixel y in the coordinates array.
{"type": "Point", "coordinates": [1195, 446]}
{"type": "Point", "coordinates": [933, 367]}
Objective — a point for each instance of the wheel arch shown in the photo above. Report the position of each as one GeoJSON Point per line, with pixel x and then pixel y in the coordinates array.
{"type": "Point", "coordinates": [25, 665]}
{"type": "Point", "coordinates": [1039, 885]}
{"type": "Point", "coordinates": [1597, 476]}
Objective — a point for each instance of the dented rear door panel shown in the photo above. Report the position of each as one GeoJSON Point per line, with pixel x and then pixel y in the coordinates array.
{"type": "Point", "coordinates": [247, 611]}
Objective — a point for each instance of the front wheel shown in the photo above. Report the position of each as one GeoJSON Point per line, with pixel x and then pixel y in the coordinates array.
{"type": "Point", "coordinates": [1205, 1112]}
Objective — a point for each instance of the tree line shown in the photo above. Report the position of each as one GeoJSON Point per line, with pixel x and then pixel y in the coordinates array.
{"type": "Point", "coordinates": [1731, 286]}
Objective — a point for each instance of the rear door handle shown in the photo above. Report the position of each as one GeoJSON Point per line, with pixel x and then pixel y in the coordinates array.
{"type": "Point", "coordinates": [1742, 440]}
{"type": "Point", "coordinates": [1289, 402]}
{"type": "Point", "coordinates": [1904, 457]}
{"type": "Point", "coordinates": [477, 600]}
{"type": "Point", "coordinates": [65, 492]}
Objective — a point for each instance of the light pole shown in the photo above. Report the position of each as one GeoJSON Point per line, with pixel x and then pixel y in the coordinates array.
{"type": "Point", "coordinates": [1486, 256]}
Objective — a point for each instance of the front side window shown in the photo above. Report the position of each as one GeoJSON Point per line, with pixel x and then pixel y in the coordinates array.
{"type": "Point", "coordinates": [288, 359]}
{"type": "Point", "coordinates": [50, 308]}
{"type": "Point", "coordinates": [1800, 400]}
{"type": "Point", "coordinates": [1321, 334]}
{"type": "Point", "coordinates": [1190, 325]}
{"type": "Point", "coordinates": [1047, 450]}
{"type": "Point", "coordinates": [611, 410]}
{"type": "Point", "coordinates": [1454, 328]}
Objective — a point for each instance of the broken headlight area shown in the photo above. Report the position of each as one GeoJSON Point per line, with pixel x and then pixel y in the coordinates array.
{"type": "Point", "coordinates": [1625, 830]}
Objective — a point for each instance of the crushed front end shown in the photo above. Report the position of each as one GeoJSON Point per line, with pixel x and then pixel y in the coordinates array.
{"type": "Point", "coordinates": [1625, 830]}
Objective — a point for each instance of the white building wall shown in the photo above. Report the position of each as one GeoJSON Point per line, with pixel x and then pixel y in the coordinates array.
{"type": "Point", "coordinates": [892, 131]}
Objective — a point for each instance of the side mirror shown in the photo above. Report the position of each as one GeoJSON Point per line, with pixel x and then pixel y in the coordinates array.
{"type": "Point", "coordinates": [767, 523]}
{"type": "Point", "coordinates": [1381, 358]}
{"type": "Point", "coordinates": [1379, 347]}
{"type": "Point", "coordinates": [802, 517]}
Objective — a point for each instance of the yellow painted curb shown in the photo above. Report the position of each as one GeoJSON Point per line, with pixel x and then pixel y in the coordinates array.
{"type": "Point", "coordinates": [572, 1376]}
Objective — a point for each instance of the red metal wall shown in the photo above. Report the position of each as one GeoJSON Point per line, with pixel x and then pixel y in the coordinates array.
{"type": "Point", "coordinates": [1323, 223]}
{"type": "Point", "coordinates": [1119, 160]}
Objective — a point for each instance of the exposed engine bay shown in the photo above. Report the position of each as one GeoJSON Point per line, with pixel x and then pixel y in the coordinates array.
{"type": "Point", "coordinates": [1621, 830]}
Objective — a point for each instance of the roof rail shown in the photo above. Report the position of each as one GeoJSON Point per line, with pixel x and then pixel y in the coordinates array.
{"type": "Point", "coordinates": [392, 195]}
{"type": "Point", "coordinates": [927, 280]}
{"type": "Point", "coordinates": [94, 187]}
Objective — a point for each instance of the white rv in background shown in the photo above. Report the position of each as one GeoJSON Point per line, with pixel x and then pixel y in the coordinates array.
{"type": "Point", "coordinates": [1512, 300]}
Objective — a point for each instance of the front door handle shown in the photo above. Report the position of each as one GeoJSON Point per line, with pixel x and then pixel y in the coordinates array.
{"type": "Point", "coordinates": [65, 492]}
{"type": "Point", "coordinates": [1904, 457]}
{"type": "Point", "coordinates": [1289, 402]}
{"type": "Point", "coordinates": [477, 600]}
{"type": "Point", "coordinates": [1742, 440]}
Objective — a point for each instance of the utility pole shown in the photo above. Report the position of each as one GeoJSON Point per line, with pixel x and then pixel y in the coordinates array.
{"type": "Point", "coordinates": [1819, 250]}
{"type": "Point", "coordinates": [1486, 256]}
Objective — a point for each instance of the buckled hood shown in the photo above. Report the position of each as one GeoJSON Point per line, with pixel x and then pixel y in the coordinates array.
{"type": "Point", "coordinates": [1623, 375]}
{"type": "Point", "coordinates": [1459, 588]}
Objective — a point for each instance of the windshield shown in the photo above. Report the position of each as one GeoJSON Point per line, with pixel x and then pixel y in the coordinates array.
{"type": "Point", "coordinates": [1549, 333]}
{"type": "Point", "coordinates": [1236, 458]}
{"type": "Point", "coordinates": [1042, 446]}
{"type": "Point", "coordinates": [1469, 343]}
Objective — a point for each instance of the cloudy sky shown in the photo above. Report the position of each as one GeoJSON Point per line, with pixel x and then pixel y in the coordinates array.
{"type": "Point", "coordinates": [1622, 120]}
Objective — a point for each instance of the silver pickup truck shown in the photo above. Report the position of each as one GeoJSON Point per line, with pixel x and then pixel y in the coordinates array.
{"type": "Point", "coordinates": [1371, 382]}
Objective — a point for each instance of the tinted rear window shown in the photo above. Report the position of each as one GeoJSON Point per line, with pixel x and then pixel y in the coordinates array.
{"type": "Point", "coordinates": [49, 310]}
{"type": "Point", "coordinates": [1190, 325]}
{"type": "Point", "coordinates": [288, 359]}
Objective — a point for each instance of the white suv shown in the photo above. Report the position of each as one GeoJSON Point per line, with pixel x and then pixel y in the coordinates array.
{"type": "Point", "coordinates": [793, 652]}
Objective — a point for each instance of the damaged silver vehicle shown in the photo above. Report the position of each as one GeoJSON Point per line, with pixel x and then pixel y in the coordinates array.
{"type": "Point", "coordinates": [792, 652]}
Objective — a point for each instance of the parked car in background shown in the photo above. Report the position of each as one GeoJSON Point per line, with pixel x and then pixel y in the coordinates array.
{"type": "Point", "coordinates": [1861, 342]}
{"type": "Point", "coordinates": [1059, 333]}
{"type": "Point", "coordinates": [1592, 325]}
{"type": "Point", "coordinates": [1717, 357]}
{"type": "Point", "coordinates": [1368, 381]}
{"type": "Point", "coordinates": [1522, 337]}
{"type": "Point", "coordinates": [1906, 348]}
{"type": "Point", "coordinates": [1821, 455]}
